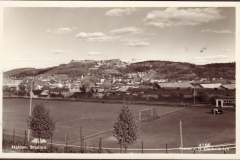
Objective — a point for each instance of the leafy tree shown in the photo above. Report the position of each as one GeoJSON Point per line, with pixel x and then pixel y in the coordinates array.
{"type": "Point", "coordinates": [52, 81]}
{"type": "Point", "coordinates": [160, 96]}
{"type": "Point", "coordinates": [174, 95]}
{"type": "Point", "coordinates": [137, 79]}
{"type": "Point", "coordinates": [204, 97]}
{"type": "Point", "coordinates": [181, 96]}
{"type": "Point", "coordinates": [107, 84]}
{"type": "Point", "coordinates": [40, 123]}
{"type": "Point", "coordinates": [212, 99]}
{"type": "Point", "coordinates": [83, 88]}
{"type": "Point", "coordinates": [126, 130]}
{"type": "Point", "coordinates": [21, 91]}
{"type": "Point", "coordinates": [21, 87]}
{"type": "Point", "coordinates": [30, 83]}
{"type": "Point", "coordinates": [6, 88]}
{"type": "Point", "coordinates": [88, 82]}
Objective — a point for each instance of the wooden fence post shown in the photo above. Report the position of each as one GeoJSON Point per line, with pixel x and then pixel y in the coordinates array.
{"type": "Point", "coordinates": [66, 140]}
{"type": "Point", "coordinates": [100, 143]}
{"type": "Point", "coordinates": [51, 143]}
{"type": "Point", "coordinates": [3, 135]}
{"type": "Point", "coordinates": [166, 149]}
{"type": "Point", "coordinates": [80, 140]}
{"type": "Point", "coordinates": [120, 147]}
{"type": "Point", "coordinates": [83, 141]}
{"type": "Point", "coordinates": [13, 136]}
{"type": "Point", "coordinates": [25, 138]}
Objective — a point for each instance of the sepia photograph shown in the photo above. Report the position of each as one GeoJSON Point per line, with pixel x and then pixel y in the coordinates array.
{"type": "Point", "coordinates": [128, 80]}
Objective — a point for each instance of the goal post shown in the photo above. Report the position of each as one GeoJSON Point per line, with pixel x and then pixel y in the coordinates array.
{"type": "Point", "coordinates": [147, 114]}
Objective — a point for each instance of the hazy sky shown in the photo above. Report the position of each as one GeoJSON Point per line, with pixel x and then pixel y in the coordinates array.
{"type": "Point", "coordinates": [44, 37]}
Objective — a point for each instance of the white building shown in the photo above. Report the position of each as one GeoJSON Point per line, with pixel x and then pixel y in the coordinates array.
{"type": "Point", "coordinates": [226, 101]}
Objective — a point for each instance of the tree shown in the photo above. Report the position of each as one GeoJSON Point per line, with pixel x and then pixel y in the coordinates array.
{"type": "Point", "coordinates": [107, 84]}
{"type": "Point", "coordinates": [30, 85]}
{"type": "Point", "coordinates": [21, 91]}
{"type": "Point", "coordinates": [173, 95]}
{"type": "Point", "coordinates": [40, 123]}
{"type": "Point", "coordinates": [52, 81]}
{"type": "Point", "coordinates": [88, 82]}
{"type": "Point", "coordinates": [181, 96]}
{"type": "Point", "coordinates": [126, 130]}
{"type": "Point", "coordinates": [160, 96]}
{"type": "Point", "coordinates": [212, 99]}
{"type": "Point", "coordinates": [204, 97]}
{"type": "Point", "coordinates": [21, 87]}
{"type": "Point", "coordinates": [6, 88]}
{"type": "Point", "coordinates": [83, 88]}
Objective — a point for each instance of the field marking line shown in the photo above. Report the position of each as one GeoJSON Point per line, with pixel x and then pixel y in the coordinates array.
{"type": "Point", "coordinates": [148, 122]}
{"type": "Point", "coordinates": [12, 111]}
{"type": "Point", "coordinates": [8, 111]}
{"type": "Point", "coordinates": [76, 128]}
{"type": "Point", "coordinates": [69, 121]}
{"type": "Point", "coordinates": [171, 111]}
{"type": "Point", "coordinates": [98, 113]}
{"type": "Point", "coordinates": [160, 115]}
{"type": "Point", "coordinates": [146, 109]}
{"type": "Point", "coordinates": [84, 117]}
{"type": "Point", "coordinates": [91, 135]}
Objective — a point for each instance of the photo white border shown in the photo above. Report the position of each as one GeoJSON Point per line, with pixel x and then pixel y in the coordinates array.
{"type": "Point", "coordinates": [122, 4]}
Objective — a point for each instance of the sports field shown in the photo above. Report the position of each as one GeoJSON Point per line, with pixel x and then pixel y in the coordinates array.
{"type": "Point", "coordinates": [97, 119]}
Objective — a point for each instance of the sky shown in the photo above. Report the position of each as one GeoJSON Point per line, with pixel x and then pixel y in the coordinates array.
{"type": "Point", "coordinates": [43, 37]}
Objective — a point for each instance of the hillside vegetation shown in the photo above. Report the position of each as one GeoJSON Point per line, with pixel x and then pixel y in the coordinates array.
{"type": "Point", "coordinates": [153, 69]}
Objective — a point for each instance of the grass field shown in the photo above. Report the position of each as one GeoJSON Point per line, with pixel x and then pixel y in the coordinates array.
{"type": "Point", "coordinates": [97, 119]}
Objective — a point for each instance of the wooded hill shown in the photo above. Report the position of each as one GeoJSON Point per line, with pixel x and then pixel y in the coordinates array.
{"type": "Point", "coordinates": [154, 69]}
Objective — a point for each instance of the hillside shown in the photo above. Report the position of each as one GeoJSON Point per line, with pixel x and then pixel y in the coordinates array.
{"type": "Point", "coordinates": [153, 69]}
{"type": "Point", "coordinates": [17, 71]}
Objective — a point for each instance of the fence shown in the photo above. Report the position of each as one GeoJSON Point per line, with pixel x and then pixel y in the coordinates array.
{"type": "Point", "coordinates": [70, 144]}
{"type": "Point", "coordinates": [149, 102]}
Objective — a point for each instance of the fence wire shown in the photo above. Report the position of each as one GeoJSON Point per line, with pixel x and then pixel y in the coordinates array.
{"type": "Point", "coordinates": [73, 138]}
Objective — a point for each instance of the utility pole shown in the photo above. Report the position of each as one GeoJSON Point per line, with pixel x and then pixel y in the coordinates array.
{"type": "Point", "coordinates": [194, 94]}
{"type": "Point", "coordinates": [181, 136]}
{"type": "Point", "coordinates": [30, 112]}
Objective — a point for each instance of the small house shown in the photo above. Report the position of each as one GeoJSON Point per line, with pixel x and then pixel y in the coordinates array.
{"type": "Point", "coordinates": [57, 91]}
{"type": "Point", "coordinates": [226, 101]}
{"type": "Point", "coordinates": [35, 93]}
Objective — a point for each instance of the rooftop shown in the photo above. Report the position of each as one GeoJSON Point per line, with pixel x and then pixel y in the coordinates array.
{"type": "Point", "coordinates": [229, 86]}
{"type": "Point", "coordinates": [175, 85]}
{"type": "Point", "coordinates": [211, 85]}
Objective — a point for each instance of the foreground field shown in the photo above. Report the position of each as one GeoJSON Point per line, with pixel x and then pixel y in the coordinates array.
{"type": "Point", "coordinates": [97, 119]}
